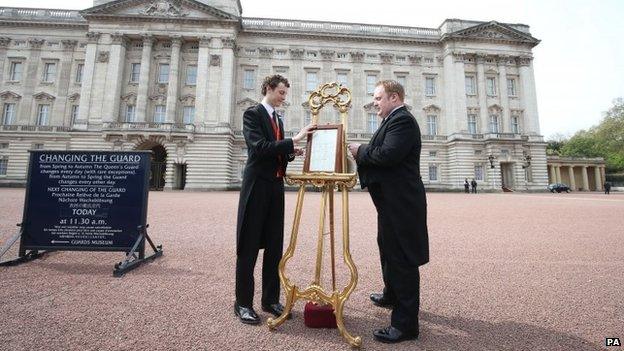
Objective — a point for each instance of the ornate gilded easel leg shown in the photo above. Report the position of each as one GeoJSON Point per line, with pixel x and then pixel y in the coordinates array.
{"type": "Point", "coordinates": [289, 289]}
{"type": "Point", "coordinates": [338, 303]}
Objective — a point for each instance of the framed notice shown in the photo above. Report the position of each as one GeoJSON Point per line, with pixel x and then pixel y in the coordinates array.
{"type": "Point", "coordinates": [324, 150]}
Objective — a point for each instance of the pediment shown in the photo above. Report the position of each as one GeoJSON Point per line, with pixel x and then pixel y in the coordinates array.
{"type": "Point", "coordinates": [74, 97]}
{"type": "Point", "coordinates": [8, 95]}
{"type": "Point", "coordinates": [432, 108]}
{"type": "Point", "coordinates": [158, 9]}
{"type": "Point", "coordinates": [43, 96]}
{"type": "Point", "coordinates": [493, 31]}
{"type": "Point", "coordinates": [247, 102]}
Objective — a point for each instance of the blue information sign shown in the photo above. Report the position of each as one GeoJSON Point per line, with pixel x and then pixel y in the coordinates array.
{"type": "Point", "coordinates": [85, 200]}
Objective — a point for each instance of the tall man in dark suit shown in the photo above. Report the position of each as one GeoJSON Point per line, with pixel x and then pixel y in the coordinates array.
{"type": "Point", "coordinates": [390, 167]}
{"type": "Point", "coordinates": [260, 221]}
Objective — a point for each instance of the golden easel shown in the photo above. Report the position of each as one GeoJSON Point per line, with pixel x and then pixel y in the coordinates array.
{"type": "Point", "coordinates": [340, 97]}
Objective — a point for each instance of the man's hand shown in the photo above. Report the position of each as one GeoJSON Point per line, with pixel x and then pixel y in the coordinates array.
{"type": "Point", "coordinates": [299, 152]}
{"type": "Point", "coordinates": [303, 133]}
{"type": "Point", "coordinates": [353, 149]}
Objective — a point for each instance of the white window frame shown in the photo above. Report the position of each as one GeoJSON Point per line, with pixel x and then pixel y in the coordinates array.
{"type": "Point", "coordinates": [163, 74]}
{"type": "Point", "coordinates": [191, 77]}
{"type": "Point", "coordinates": [49, 72]}
{"type": "Point", "coordinates": [342, 78]}
{"type": "Point", "coordinates": [249, 79]}
{"type": "Point", "coordinates": [371, 81]}
{"type": "Point", "coordinates": [9, 113]}
{"type": "Point", "coordinates": [479, 173]}
{"type": "Point", "coordinates": [135, 72]}
{"type": "Point", "coordinates": [490, 85]}
{"type": "Point", "coordinates": [470, 85]}
{"type": "Point", "coordinates": [130, 114]}
{"type": "Point", "coordinates": [432, 124]}
{"type": "Point", "coordinates": [4, 165]}
{"type": "Point", "coordinates": [15, 75]}
{"type": "Point", "coordinates": [511, 87]}
{"type": "Point", "coordinates": [433, 172]}
{"type": "Point", "coordinates": [494, 124]}
{"type": "Point", "coordinates": [74, 113]}
{"type": "Point", "coordinates": [160, 113]}
{"type": "Point", "coordinates": [515, 124]}
{"type": "Point", "coordinates": [311, 81]}
{"type": "Point", "coordinates": [79, 73]}
{"type": "Point", "coordinates": [373, 122]}
{"type": "Point", "coordinates": [402, 79]}
{"type": "Point", "coordinates": [43, 114]}
{"type": "Point", "coordinates": [472, 123]}
{"type": "Point", "coordinates": [430, 86]}
{"type": "Point", "coordinates": [188, 114]}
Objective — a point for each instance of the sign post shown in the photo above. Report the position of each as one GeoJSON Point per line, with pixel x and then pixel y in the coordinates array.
{"type": "Point", "coordinates": [86, 201]}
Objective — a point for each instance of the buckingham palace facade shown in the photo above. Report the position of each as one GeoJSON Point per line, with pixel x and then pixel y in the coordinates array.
{"type": "Point", "coordinates": [174, 76]}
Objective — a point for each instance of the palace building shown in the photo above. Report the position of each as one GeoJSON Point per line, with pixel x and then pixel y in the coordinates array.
{"type": "Point", "coordinates": [174, 76]}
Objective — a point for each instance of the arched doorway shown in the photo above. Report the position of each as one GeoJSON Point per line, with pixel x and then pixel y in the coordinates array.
{"type": "Point", "coordinates": [159, 164]}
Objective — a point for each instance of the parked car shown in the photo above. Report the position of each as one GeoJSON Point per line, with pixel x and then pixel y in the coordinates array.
{"type": "Point", "coordinates": [558, 187]}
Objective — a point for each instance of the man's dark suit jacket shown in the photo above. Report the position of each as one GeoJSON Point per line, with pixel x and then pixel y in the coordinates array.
{"type": "Point", "coordinates": [263, 157]}
{"type": "Point", "coordinates": [392, 161]}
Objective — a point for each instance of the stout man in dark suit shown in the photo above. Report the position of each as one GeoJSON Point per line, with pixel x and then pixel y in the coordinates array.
{"type": "Point", "coordinates": [389, 166]}
{"type": "Point", "coordinates": [260, 223]}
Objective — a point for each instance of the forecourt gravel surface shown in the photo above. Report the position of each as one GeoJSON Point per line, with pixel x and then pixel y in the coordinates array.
{"type": "Point", "coordinates": [507, 272]}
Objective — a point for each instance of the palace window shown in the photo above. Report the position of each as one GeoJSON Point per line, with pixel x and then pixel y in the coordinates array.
{"type": "Point", "coordinates": [373, 122]}
{"type": "Point", "coordinates": [15, 71]}
{"type": "Point", "coordinates": [130, 113]}
{"type": "Point", "coordinates": [4, 162]}
{"type": "Point", "coordinates": [43, 115]}
{"type": "Point", "coordinates": [515, 127]}
{"type": "Point", "coordinates": [433, 153]}
{"type": "Point", "coordinates": [478, 172]}
{"type": "Point", "coordinates": [470, 85]}
{"type": "Point", "coordinates": [311, 81]}
{"type": "Point", "coordinates": [511, 87]}
{"type": "Point", "coordinates": [433, 172]}
{"type": "Point", "coordinates": [188, 115]}
{"type": "Point", "coordinates": [249, 79]}
{"type": "Point", "coordinates": [493, 123]}
{"type": "Point", "coordinates": [472, 124]}
{"type": "Point", "coordinates": [79, 71]}
{"type": "Point", "coordinates": [74, 114]}
{"type": "Point", "coordinates": [402, 79]}
{"type": "Point", "coordinates": [159, 114]}
{"type": "Point", "coordinates": [371, 80]}
{"type": "Point", "coordinates": [49, 72]}
{"type": "Point", "coordinates": [430, 88]}
{"type": "Point", "coordinates": [490, 84]}
{"type": "Point", "coordinates": [8, 115]}
{"type": "Point", "coordinates": [341, 78]}
{"type": "Point", "coordinates": [135, 72]}
{"type": "Point", "coordinates": [191, 75]}
{"type": "Point", "coordinates": [163, 73]}
{"type": "Point", "coordinates": [432, 125]}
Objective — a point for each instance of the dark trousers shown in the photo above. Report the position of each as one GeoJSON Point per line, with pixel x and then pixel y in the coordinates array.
{"type": "Point", "coordinates": [263, 227]}
{"type": "Point", "coordinates": [401, 279]}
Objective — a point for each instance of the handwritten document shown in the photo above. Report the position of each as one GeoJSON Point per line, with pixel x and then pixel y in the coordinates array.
{"type": "Point", "coordinates": [323, 153]}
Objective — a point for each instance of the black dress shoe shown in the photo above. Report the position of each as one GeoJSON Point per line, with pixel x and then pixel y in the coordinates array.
{"type": "Point", "coordinates": [392, 335]}
{"type": "Point", "coordinates": [275, 309]}
{"type": "Point", "coordinates": [381, 300]}
{"type": "Point", "coordinates": [246, 315]}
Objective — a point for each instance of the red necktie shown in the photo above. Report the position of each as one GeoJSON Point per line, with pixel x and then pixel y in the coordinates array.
{"type": "Point", "coordinates": [278, 136]}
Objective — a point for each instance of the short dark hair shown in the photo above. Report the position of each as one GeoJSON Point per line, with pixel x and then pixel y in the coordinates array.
{"type": "Point", "coordinates": [391, 87]}
{"type": "Point", "coordinates": [273, 81]}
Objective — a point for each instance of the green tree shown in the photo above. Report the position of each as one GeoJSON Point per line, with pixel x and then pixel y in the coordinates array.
{"type": "Point", "coordinates": [604, 140]}
{"type": "Point", "coordinates": [555, 143]}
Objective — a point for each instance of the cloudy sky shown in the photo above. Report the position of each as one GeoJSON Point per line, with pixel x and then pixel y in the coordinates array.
{"type": "Point", "coordinates": [579, 65]}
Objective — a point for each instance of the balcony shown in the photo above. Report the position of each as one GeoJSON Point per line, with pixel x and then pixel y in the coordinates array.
{"type": "Point", "coordinates": [169, 130]}
{"type": "Point", "coordinates": [33, 128]}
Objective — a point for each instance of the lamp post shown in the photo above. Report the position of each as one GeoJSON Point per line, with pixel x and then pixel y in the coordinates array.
{"type": "Point", "coordinates": [491, 158]}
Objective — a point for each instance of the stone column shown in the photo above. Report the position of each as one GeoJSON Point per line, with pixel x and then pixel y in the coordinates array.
{"type": "Point", "coordinates": [144, 77]}
{"type": "Point", "coordinates": [505, 118]}
{"type": "Point", "coordinates": [585, 179]}
{"type": "Point", "coordinates": [214, 82]}
{"type": "Point", "coordinates": [201, 93]}
{"type": "Point", "coordinates": [483, 108]}
{"type": "Point", "coordinates": [114, 78]}
{"type": "Point", "coordinates": [528, 96]}
{"type": "Point", "coordinates": [174, 81]}
{"type": "Point", "coordinates": [30, 79]}
{"type": "Point", "coordinates": [60, 114]}
{"type": "Point", "coordinates": [227, 80]}
{"type": "Point", "coordinates": [454, 94]}
{"type": "Point", "coordinates": [558, 172]}
{"type": "Point", "coordinates": [571, 175]}
{"type": "Point", "coordinates": [87, 81]}
{"type": "Point", "coordinates": [553, 175]}
{"type": "Point", "coordinates": [360, 97]}
{"type": "Point", "coordinates": [4, 44]}
{"type": "Point", "coordinates": [598, 178]}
